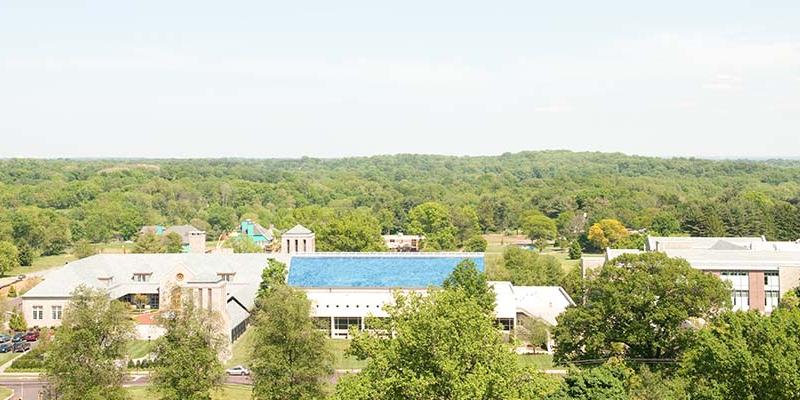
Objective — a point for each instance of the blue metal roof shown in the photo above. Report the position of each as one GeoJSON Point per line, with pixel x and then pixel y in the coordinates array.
{"type": "Point", "coordinates": [404, 271]}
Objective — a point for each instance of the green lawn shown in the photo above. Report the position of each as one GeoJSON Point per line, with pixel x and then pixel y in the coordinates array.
{"type": "Point", "coordinates": [228, 392]}
{"type": "Point", "coordinates": [242, 346]}
{"type": "Point", "coordinates": [538, 361]}
{"type": "Point", "coordinates": [5, 357]}
{"type": "Point", "coordinates": [341, 361]}
{"type": "Point", "coordinates": [241, 349]}
{"type": "Point", "coordinates": [41, 264]}
{"type": "Point", "coordinates": [5, 392]}
{"type": "Point", "coordinates": [139, 348]}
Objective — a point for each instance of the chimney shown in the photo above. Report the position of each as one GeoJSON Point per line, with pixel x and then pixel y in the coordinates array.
{"type": "Point", "coordinates": [197, 242]}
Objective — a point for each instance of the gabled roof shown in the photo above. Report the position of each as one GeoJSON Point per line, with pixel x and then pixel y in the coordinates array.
{"type": "Point", "coordinates": [298, 230]}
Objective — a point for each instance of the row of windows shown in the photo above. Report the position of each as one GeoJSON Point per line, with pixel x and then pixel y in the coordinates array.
{"type": "Point", "coordinates": [55, 312]}
{"type": "Point", "coordinates": [145, 277]}
{"type": "Point", "coordinates": [348, 306]}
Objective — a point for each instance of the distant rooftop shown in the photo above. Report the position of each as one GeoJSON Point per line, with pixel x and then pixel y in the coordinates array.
{"type": "Point", "coordinates": [298, 230]}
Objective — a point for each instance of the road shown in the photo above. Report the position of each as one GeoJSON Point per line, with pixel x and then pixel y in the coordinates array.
{"type": "Point", "coordinates": [29, 388]}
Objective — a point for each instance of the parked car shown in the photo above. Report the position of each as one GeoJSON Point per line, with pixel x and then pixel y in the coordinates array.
{"type": "Point", "coordinates": [6, 347]}
{"type": "Point", "coordinates": [31, 336]}
{"type": "Point", "coordinates": [4, 338]}
{"type": "Point", "coordinates": [21, 347]}
{"type": "Point", "coordinates": [18, 337]}
{"type": "Point", "coordinates": [238, 370]}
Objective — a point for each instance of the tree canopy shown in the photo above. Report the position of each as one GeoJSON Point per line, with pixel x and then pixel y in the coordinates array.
{"type": "Point", "coordinates": [82, 363]}
{"type": "Point", "coordinates": [637, 306]}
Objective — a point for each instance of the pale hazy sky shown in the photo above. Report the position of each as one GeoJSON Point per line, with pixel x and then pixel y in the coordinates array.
{"type": "Point", "coordinates": [333, 78]}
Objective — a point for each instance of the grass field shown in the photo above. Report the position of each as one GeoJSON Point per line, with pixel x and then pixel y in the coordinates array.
{"type": "Point", "coordinates": [538, 361]}
{"type": "Point", "coordinates": [242, 346]}
{"type": "Point", "coordinates": [228, 392]}
{"type": "Point", "coordinates": [5, 392]}
{"type": "Point", "coordinates": [139, 348]}
{"type": "Point", "coordinates": [498, 242]}
{"type": "Point", "coordinates": [6, 357]}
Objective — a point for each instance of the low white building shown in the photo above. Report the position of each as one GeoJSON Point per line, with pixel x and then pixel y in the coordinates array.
{"type": "Point", "coordinates": [402, 242]}
{"type": "Point", "coordinates": [338, 309]}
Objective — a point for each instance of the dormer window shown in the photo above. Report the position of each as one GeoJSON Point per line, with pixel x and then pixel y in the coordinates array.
{"type": "Point", "coordinates": [141, 277]}
{"type": "Point", "coordinates": [226, 276]}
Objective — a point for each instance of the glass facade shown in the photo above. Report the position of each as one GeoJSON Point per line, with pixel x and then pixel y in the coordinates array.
{"type": "Point", "coordinates": [772, 291]}
{"type": "Point", "coordinates": [740, 295]}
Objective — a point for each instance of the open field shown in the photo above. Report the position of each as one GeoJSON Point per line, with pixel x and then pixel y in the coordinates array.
{"type": "Point", "coordinates": [5, 392]}
{"type": "Point", "coordinates": [139, 348]}
{"type": "Point", "coordinates": [498, 242]}
{"type": "Point", "coordinates": [228, 392]}
{"type": "Point", "coordinates": [242, 346]}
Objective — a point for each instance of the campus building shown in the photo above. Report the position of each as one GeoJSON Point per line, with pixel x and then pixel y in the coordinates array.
{"type": "Point", "coordinates": [402, 242]}
{"type": "Point", "coordinates": [760, 271]}
{"type": "Point", "coordinates": [345, 289]}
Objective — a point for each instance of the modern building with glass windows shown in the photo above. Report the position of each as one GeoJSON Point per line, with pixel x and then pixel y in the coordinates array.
{"type": "Point", "coordinates": [759, 271]}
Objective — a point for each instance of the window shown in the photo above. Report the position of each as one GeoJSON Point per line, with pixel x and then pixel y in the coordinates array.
{"type": "Point", "coordinates": [344, 323]}
{"type": "Point", "coordinates": [56, 311]}
{"type": "Point", "coordinates": [771, 291]}
{"type": "Point", "coordinates": [38, 312]}
{"type": "Point", "coordinates": [740, 295]}
{"type": "Point", "coordinates": [226, 276]}
{"type": "Point", "coordinates": [141, 277]}
{"type": "Point", "coordinates": [506, 323]}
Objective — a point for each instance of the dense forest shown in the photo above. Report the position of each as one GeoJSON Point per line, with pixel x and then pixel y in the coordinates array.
{"type": "Point", "coordinates": [47, 205]}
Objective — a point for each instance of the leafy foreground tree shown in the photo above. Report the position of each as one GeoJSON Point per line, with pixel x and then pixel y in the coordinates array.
{"type": "Point", "coordinates": [83, 363]}
{"type": "Point", "coordinates": [9, 257]}
{"type": "Point", "coordinates": [467, 277]}
{"type": "Point", "coordinates": [290, 359]}
{"type": "Point", "coordinates": [187, 356]}
{"type": "Point", "coordinates": [637, 307]}
{"type": "Point", "coordinates": [442, 346]}
{"type": "Point", "coordinates": [274, 275]}
{"type": "Point", "coordinates": [606, 382]}
{"type": "Point", "coordinates": [746, 356]}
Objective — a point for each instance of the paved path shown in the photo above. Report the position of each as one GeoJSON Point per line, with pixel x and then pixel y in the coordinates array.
{"type": "Point", "coordinates": [29, 386]}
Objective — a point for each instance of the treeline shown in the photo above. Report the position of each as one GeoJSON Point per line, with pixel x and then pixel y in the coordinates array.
{"type": "Point", "coordinates": [49, 204]}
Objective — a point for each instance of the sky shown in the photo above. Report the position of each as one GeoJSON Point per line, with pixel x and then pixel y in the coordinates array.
{"type": "Point", "coordinates": [262, 79]}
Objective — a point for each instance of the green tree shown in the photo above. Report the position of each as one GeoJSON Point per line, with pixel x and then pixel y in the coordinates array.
{"type": "Point", "coordinates": [432, 220]}
{"type": "Point", "coordinates": [534, 331]}
{"type": "Point", "coordinates": [476, 243]}
{"type": "Point", "coordinates": [575, 251]}
{"type": "Point", "coordinates": [273, 275]}
{"type": "Point", "coordinates": [665, 224]}
{"type": "Point", "coordinates": [290, 359]}
{"type": "Point", "coordinates": [84, 249]}
{"type": "Point", "coordinates": [745, 355]}
{"type": "Point", "coordinates": [636, 307]}
{"type": "Point", "coordinates": [83, 359]}
{"type": "Point", "coordinates": [9, 257]}
{"type": "Point", "coordinates": [528, 268]}
{"type": "Point", "coordinates": [443, 346]}
{"type": "Point", "coordinates": [26, 254]}
{"type": "Point", "coordinates": [187, 363]}
{"type": "Point", "coordinates": [148, 243]}
{"type": "Point", "coordinates": [17, 322]}
{"type": "Point", "coordinates": [172, 243]}
{"type": "Point", "coordinates": [606, 233]}
{"type": "Point", "coordinates": [466, 277]}
{"type": "Point", "coordinates": [606, 382]}
{"type": "Point", "coordinates": [539, 227]}
{"type": "Point", "coordinates": [243, 244]}
{"type": "Point", "coordinates": [353, 231]}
